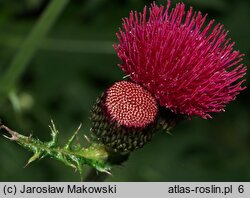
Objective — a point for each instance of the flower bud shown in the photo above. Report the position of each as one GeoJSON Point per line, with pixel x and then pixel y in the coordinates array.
{"type": "Point", "coordinates": [126, 117]}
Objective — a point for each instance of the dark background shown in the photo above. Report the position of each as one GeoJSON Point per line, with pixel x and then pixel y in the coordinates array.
{"type": "Point", "coordinates": [76, 62]}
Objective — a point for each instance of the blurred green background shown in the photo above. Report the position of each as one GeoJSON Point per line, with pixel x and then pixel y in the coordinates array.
{"type": "Point", "coordinates": [75, 62]}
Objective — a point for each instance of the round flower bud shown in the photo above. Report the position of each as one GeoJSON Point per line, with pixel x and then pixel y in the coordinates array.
{"type": "Point", "coordinates": [126, 117]}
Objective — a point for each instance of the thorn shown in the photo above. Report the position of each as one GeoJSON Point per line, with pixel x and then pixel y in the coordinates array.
{"type": "Point", "coordinates": [87, 138]}
{"type": "Point", "coordinates": [33, 158]}
{"type": "Point", "coordinates": [7, 137]}
{"type": "Point", "coordinates": [70, 165]}
{"type": "Point", "coordinates": [14, 135]}
{"type": "Point", "coordinates": [43, 156]}
{"type": "Point", "coordinates": [54, 134]}
{"type": "Point", "coordinates": [79, 127]}
{"type": "Point", "coordinates": [77, 137]}
{"type": "Point", "coordinates": [79, 167]}
{"type": "Point", "coordinates": [53, 127]}
{"type": "Point", "coordinates": [103, 170]}
{"type": "Point", "coordinates": [106, 171]}
{"type": "Point", "coordinates": [69, 143]}
{"type": "Point", "coordinates": [52, 122]}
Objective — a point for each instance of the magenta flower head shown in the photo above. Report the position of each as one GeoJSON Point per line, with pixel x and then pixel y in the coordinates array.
{"type": "Point", "coordinates": [188, 67]}
{"type": "Point", "coordinates": [130, 105]}
{"type": "Point", "coordinates": [179, 66]}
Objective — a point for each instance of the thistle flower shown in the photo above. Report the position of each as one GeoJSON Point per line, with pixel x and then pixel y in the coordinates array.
{"type": "Point", "coordinates": [177, 66]}
{"type": "Point", "coordinates": [126, 117]}
{"type": "Point", "coordinates": [187, 66]}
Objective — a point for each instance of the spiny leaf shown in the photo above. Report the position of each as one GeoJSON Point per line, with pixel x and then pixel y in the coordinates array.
{"type": "Point", "coordinates": [95, 155]}
{"type": "Point", "coordinates": [36, 156]}
{"type": "Point", "coordinates": [54, 134]}
{"type": "Point", "coordinates": [70, 142]}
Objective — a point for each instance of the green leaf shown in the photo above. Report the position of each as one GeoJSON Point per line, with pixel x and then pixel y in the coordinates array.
{"type": "Point", "coordinates": [95, 155]}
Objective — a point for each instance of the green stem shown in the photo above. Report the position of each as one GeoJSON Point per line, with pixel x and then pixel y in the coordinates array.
{"type": "Point", "coordinates": [30, 45]}
{"type": "Point", "coordinates": [75, 156]}
{"type": "Point", "coordinates": [114, 159]}
{"type": "Point", "coordinates": [95, 155]}
{"type": "Point", "coordinates": [64, 45]}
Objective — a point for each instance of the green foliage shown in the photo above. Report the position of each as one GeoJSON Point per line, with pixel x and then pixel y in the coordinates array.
{"type": "Point", "coordinates": [74, 156]}
{"type": "Point", "coordinates": [75, 62]}
{"type": "Point", "coordinates": [29, 46]}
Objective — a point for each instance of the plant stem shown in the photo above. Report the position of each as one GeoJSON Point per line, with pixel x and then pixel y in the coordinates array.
{"type": "Point", "coordinates": [95, 155]}
{"type": "Point", "coordinates": [72, 155]}
{"type": "Point", "coordinates": [30, 45]}
{"type": "Point", "coordinates": [64, 45]}
{"type": "Point", "coordinates": [114, 159]}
